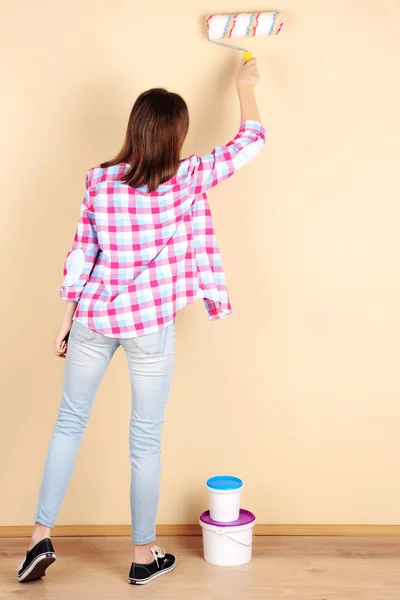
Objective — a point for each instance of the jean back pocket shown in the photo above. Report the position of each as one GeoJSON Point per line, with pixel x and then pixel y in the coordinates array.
{"type": "Point", "coordinates": [152, 343]}
{"type": "Point", "coordinates": [82, 334]}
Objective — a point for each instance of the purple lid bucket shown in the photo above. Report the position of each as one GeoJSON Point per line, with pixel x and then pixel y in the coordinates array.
{"type": "Point", "coordinates": [228, 544]}
{"type": "Point", "coordinates": [245, 518]}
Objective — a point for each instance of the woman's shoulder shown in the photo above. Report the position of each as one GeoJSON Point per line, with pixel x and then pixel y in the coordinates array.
{"type": "Point", "coordinates": [187, 165]}
{"type": "Point", "coordinates": [98, 175]}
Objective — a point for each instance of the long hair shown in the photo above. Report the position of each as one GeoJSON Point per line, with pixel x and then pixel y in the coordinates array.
{"type": "Point", "coordinates": [157, 128]}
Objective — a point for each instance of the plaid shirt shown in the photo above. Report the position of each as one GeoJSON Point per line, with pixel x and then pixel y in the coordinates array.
{"type": "Point", "coordinates": [139, 257]}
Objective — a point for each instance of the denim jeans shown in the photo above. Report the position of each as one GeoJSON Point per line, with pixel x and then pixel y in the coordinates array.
{"type": "Point", "coordinates": [151, 363]}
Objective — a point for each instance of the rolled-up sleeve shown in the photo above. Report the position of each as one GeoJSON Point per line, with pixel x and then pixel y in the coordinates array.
{"type": "Point", "coordinates": [82, 256]}
{"type": "Point", "coordinates": [210, 170]}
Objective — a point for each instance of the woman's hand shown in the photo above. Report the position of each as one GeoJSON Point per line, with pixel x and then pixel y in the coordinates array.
{"type": "Point", "coordinates": [247, 75]}
{"type": "Point", "coordinates": [60, 343]}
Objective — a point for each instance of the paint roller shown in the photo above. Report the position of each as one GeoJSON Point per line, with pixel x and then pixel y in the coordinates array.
{"type": "Point", "coordinates": [226, 27]}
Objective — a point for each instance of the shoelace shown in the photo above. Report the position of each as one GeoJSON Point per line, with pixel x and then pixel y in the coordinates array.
{"type": "Point", "coordinates": [157, 552]}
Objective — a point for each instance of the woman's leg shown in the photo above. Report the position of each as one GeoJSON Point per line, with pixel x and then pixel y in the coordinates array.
{"type": "Point", "coordinates": [87, 359]}
{"type": "Point", "coordinates": [151, 363]}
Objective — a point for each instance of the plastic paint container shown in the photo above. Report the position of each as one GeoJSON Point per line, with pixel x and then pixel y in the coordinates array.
{"type": "Point", "coordinates": [228, 545]}
{"type": "Point", "coordinates": [224, 493]}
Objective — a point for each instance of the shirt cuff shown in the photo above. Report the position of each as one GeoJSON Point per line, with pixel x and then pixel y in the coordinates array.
{"type": "Point", "coordinates": [70, 293]}
{"type": "Point", "coordinates": [254, 127]}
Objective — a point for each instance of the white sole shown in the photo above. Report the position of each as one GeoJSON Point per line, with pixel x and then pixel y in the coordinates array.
{"type": "Point", "coordinates": [38, 567]}
{"type": "Point", "coordinates": [150, 579]}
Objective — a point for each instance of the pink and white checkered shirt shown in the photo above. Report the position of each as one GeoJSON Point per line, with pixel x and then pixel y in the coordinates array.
{"type": "Point", "coordinates": [139, 257]}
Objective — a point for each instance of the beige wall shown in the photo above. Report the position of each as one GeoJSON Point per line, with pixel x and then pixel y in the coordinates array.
{"type": "Point", "coordinates": [297, 393]}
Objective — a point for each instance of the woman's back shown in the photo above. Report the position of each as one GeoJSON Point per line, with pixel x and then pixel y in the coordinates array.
{"type": "Point", "coordinates": [146, 267]}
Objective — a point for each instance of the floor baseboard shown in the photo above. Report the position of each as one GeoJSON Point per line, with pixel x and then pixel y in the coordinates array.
{"type": "Point", "coordinates": [191, 530]}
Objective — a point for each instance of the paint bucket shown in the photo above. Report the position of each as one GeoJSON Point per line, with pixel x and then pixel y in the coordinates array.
{"type": "Point", "coordinates": [224, 494]}
{"type": "Point", "coordinates": [228, 545]}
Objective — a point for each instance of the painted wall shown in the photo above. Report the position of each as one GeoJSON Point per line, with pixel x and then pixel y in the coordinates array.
{"type": "Point", "coordinates": [297, 393]}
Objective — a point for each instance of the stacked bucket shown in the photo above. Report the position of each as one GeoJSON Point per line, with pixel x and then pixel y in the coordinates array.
{"type": "Point", "coordinates": [227, 528]}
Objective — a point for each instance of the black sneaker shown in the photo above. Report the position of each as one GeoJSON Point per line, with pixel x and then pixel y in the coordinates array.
{"type": "Point", "coordinates": [36, 561]}
{"type": "Point", "coordinates": [163, 563]}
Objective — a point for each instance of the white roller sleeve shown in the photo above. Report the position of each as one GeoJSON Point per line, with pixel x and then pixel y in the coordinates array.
{"type": "Point", "coordinates": [240, 25]}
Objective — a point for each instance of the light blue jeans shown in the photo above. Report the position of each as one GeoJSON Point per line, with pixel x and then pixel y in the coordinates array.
{"type": "Point", "coordinates": [151, 363]}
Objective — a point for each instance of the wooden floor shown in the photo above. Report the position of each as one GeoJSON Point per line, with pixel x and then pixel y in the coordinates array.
{"type": "Point", "coordinates": [303, 568]}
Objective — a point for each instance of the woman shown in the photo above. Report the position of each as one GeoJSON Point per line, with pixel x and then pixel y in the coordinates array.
{"type": "Point", "coordinates": [144, 248]}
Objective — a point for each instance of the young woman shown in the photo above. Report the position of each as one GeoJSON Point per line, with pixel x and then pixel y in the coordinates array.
{"type": "Point", "coordinates": [144, 248]}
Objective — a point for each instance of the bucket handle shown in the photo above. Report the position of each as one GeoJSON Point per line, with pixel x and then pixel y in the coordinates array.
{"type": "Point", "coordinates": [220, 531]}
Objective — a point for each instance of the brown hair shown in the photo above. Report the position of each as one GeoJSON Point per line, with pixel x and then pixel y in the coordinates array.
{"type": "Point", "coordinates": [157, 128]}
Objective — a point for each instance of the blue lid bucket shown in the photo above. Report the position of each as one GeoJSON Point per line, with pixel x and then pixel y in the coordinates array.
{"type": "Point", "coordinates": [224, 494]}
